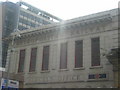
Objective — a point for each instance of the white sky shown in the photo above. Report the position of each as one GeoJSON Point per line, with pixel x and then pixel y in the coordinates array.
{"type": "Point", "coordinates": [68, 9]}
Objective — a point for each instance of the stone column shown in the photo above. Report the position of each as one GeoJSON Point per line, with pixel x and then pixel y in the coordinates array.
{"type": "Point", "coordinates": [114, 58]}
{"type": "Point", "coordinates": [116, 71]}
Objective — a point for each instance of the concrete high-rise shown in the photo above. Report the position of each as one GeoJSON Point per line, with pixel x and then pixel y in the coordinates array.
{"type": "Point", "coordinates": [20, 16]}
{"type": "Point", "coordinates": [30, 16]}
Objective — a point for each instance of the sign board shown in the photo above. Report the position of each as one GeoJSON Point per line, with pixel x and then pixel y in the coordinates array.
{"type": "Point", "coordinates": [98, 76]}
{"type": "Point", "coordinates": [11, 83]}
{"type": "Point", "coordinates": [3, 83]}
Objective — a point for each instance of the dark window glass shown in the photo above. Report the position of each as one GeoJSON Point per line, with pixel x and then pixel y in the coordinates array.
{"type": "Point", "coordinates": [33, 59]}
{"type": "Point", "coordinates": [21, 60]}
{"type": "Point", "coordinates": [45, 61]}
{"type": "Point", "coordinates": [78, 54]}
{"type": "Point", "coordinates": [63, 56]}
{"type": "Point", "coordinates": [95, 51]}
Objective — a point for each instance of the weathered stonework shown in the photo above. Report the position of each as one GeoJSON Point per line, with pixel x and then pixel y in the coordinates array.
{"type": "Point", "coordinates": [101, 25]}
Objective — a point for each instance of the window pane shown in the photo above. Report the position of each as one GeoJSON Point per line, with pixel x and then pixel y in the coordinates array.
{"type": "Point", "coordinates": [45, 61]}
{"type": "Point", "coordinates": [63, 56]}
{"type": "Point", "coordinates": [78, 54]}
{"type": "Point", "coordinates": [21, 60]}
{"type": "Point", "coordinates": [33, 59]}
{"type": "Point", "coordinates": [95, 51]}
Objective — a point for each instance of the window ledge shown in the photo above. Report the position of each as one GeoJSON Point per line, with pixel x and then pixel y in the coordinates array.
{"type": "Point", "coordinates": [95, 67]}
{"type": "Point", "coordinates": [45, 71]}
{"type": "Point", "coordinates": [32, 72]}
{"type": "Point", "coordinates": [20, 73]}
{"type": "Point", "coordinates": [81, 68]}
{"type": "Point", "coordinates": [63, 70]}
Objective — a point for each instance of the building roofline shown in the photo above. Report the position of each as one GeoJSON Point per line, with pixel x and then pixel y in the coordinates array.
{"type": "Point", "coordinates": [111, 12]}
{"type": "Point", "coordinates": [98, 17]}
{"type": "Point", "coordinates": [86, 18]}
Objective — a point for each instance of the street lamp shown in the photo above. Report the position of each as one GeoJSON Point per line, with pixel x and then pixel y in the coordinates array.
{"type": "Point", "coordinates": [14, 35]}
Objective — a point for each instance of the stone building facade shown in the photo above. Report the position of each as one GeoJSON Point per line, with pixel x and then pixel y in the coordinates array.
{"type": "Point", "coordinates": [69, 54]}
{"type": "Point", "coordinates": [0, 36]}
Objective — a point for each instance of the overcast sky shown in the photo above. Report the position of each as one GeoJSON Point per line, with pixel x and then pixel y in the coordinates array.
{"type": "Point", "coordinates": [68, 9]}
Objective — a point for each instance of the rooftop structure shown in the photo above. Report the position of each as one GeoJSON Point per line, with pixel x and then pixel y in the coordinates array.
{"type": "Point", "coordinates": [30, 16]}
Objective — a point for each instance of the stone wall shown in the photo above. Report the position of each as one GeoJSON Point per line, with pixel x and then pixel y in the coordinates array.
{"type": "Point", "coordinates": [0, 35]}
{"type": "Point", "coordinates": [103, 25]}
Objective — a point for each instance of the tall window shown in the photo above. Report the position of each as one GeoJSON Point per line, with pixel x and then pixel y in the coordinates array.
{"type": "Point", "coordinates": [45, 61]}
{"type": "Point", "coordinates": [63, 56]}
{"type": "Point", "coordinates": [95, 51]}
{"type": "Point", "coordinates": [21, 60]}
{"type": "Point", "coordinates": [33, 59]}
{"type": "Point", "coordinates": [78, 54]}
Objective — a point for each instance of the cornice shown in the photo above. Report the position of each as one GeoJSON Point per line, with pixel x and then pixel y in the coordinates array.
{"type": "Point", "coordinates": [67, 25]}
{"type": "Point", "coordinates": [78, 26]}
{"type": "Point", "coordinates": [35, 41]}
